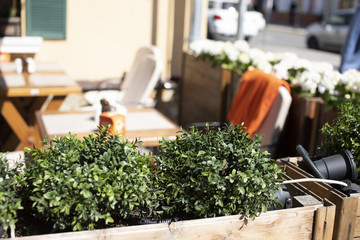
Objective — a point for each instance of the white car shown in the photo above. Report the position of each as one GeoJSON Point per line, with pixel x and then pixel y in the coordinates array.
{"type": "Point", "coordinates": [223, 20]}
{"type": "Point", "coordinates": [331, 33]}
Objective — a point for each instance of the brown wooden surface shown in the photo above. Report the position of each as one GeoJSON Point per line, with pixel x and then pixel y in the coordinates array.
{"type": "Point", "coordinates": [294, 224]}
{"type": "Point", "coordinates": [305, 120]}
{"type": "Point", "coordinates": [204, 91]}
{"type": "Point", "coordinates": [18, 105]}
{"type": "Point", "coordinates": [346, 207]}
{"type": "Point", "coordinates": [357, 224]}
{"type": "Point", "coordinates": [324, 223]}
{"type": "Point", "coordinates": [325, 216]}
{"type": "Point", "coordinates": [147, 137]}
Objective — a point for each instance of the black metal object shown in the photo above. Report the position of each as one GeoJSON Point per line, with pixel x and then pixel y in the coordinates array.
{"type": "Point", "coordinates": [337, 167]}
{"type": "Point", "coordinates": [284, 198]}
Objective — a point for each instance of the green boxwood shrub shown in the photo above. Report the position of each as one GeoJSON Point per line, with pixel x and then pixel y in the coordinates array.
{"type": "Point", "coordinates": [89, 183]}
{"type": "Point", "coordinates": [103, 181]}
{"type": "Point", "coordinates": [216, 172]}
{"type": "Point", "coordinates": [343, 133]}
{"type": "Point", "coordinates": [10, 201]}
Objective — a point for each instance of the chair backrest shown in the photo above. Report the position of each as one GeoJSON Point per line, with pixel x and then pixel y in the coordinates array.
{"type": "Point", "coordinates": [274, 121]}
{"type": "Point", "coordinates": [146, 75]}
{"type": "Point", "coordinates": [141, 52]}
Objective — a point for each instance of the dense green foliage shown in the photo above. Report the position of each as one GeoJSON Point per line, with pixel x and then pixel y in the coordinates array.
{"type": "Point", "coordinates": [10, 201]}
{"type": "Point", "coordinates": [87, 183]}
{"type": "Point", "coordinates": [216, 172]}
{"type": "Point", "coordinates": [343, 133]}
{"type": "Point", "coordinates": [103, 180]}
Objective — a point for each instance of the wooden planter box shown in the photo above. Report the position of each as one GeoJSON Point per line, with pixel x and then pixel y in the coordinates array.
{"type": "Point", "coordinates": [206, 92]}
{"type": "Point", "coordinates": [306, 118]}
{"type": "Point", "coordinates": [312, 220]}
{"type": "Point", "coordinates": [309, 222]}
{"type": "Point", "coordinates": [347, 216]}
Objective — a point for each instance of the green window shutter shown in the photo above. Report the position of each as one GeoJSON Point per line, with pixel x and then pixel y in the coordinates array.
{"type": "Point", "coordinates": [46, 18]}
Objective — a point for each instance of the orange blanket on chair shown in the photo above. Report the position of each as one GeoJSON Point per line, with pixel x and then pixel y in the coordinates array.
{"type": "Point", "coordinates": [254, 98]}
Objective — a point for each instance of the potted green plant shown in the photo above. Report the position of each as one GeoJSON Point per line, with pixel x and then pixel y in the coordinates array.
{"type": "Point", "coordinates": [73, 184]}
{"type": "Point", "coordinates": [216, 172]}
{"type": "Point", "coordinates": [212, 181]}
{"type": "Point", "coordinates": [339, 134]}
{"type": "Point", "coordinates": [10, 200]}
{"type": "Point", "coordinates": [343, 133]}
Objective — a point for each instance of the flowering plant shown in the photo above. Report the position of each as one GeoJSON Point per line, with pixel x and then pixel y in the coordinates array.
{"type": "Point", "coordinates": [307, 78]}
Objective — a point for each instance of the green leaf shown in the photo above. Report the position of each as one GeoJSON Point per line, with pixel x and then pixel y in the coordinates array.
{"type": "Point", "coordinates": [109, 220]}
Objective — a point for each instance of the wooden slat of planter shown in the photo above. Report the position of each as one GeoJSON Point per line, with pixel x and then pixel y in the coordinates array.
{"type": "Point", "coordinates": [324, 223]}
{"type": "Point", "coordinates": [358, 208]}
{"type": "Point", "coordinates": [200, 91]}
{"type": "Point", "coordinates": [357, 221]}
{"type": "Point", "coordinates": [325, 216]}
{"type": "Point", "coordinates": [295, 224]}
{"type": "Point", "coordinates": [206, 91]}
{"type": "Point", "coordinates": [357, 227]}
{"type": "Point", "coordinates": [346, 207]}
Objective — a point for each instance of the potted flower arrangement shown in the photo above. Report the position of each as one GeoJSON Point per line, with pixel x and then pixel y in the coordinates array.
{"type": "Point", "coordinates": [317, 88]}
{"type": "Point", "coordinates": [307, 78]}
{"type": "Point", "coordinates": [210, 182]}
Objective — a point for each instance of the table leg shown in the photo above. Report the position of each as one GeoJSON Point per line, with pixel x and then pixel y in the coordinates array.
{"type": "Point", "coordinates": [35, 105]}
{"type": "Point", "coordinates": [27, 135]}
{"type": "Point", "coordinates": [53, 103]}
{"type": "Point", "coordinates": [11, 143]}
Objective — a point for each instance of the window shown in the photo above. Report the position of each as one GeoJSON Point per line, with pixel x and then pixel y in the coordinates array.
{"type": "Point", "coordinates": [46, 18]}
{"type": "Point", "coordinates": [227, 5]}
{"type": "Point", "coordinates": [211, 5]}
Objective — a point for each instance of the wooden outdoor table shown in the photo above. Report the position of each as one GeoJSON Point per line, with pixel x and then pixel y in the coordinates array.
{"type": "Point", "coordinates": [21, 95]}
{"type": "Point", "coordinates": [147, 125]}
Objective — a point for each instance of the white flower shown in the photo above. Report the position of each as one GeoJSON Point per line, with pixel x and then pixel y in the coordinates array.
{"type": "Point", "coordinates": [311, 76]}
{"type": "Point", "coordinates": [197, 46]}
{"type": "Point", "coordinates": [244, 58]}
{"type": "Point", "coordinates": [285, 61]}
{"type": "Point", "coordinates": [270, 56]}
{"type": "Point", "coordinates": [309, 81]}
{"type": "Point", "coordinates": [242, 45]}
{"type": "Point", "coordinates": [231, 52]}
{"type": "Point", "coordinates": [214, 48]}
{"type": "Point", "coordinates": [329, 81]}
{"type": "Point", "coordinates": [263, 65]}
{"type": "Point", "coordinates": [281, 72]}
{"type": "Point", "coordinates": [322, 67]}
{"type": "Point", "coordinates": [351, 80]}
{"type": "Point", "coordinates": [257, 54]}
{"type": "Point", "coordinates": [289, 59]}
{"type": "Point", "coordinates": [302, 63]}
{"type": "Point", "coordinates": [207, 46]}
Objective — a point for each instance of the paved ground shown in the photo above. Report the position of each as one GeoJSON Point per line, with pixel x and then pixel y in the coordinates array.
{"type": "Point", "coordinates": [282, 38]}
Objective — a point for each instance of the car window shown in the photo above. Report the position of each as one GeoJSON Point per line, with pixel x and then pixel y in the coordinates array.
{"type": "Point", "coordinates": [348, 18]}
{"type": "Point", "coordinates": [211, 4]}
{"type": "Point", "coordinates": [227, 5]}
{"type": "Point", "coordinates": [343, 19]}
